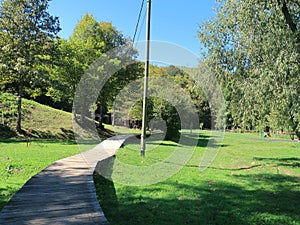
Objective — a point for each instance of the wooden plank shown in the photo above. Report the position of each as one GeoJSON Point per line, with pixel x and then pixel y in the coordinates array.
{"type": "Point", "coordinates": [63, 193]}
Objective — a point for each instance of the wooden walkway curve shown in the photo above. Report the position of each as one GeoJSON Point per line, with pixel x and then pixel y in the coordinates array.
{"type": "Point", "coordinates": [63, 193]}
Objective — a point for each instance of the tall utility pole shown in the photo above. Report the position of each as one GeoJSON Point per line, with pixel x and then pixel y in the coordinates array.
{"type": "Point", "coordinates": [144, 122]}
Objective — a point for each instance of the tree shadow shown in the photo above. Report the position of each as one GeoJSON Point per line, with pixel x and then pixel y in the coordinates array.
{"type": "Point", "coordinates": [164, 144]}
{"type": "Point", "coordinates": [289, 162]}
{"type": "Point", "coordinates": [192, 140]}
{"type": "Point", "coordinates": [5, 195]}
{"type": "Point", "coordinates": [39, 141]}
{"type": "Point", "coordinates": [64, 134]}
{"type": "Point", "coordinates": [6, 132]}
{"type": "Point", "coordinates": [269, 199]}
{"type": "Point", "coordinates": [105, 189]}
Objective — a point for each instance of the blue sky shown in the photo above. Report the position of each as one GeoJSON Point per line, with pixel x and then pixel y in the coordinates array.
{"type": "Point", "coordinates": [172, 21]}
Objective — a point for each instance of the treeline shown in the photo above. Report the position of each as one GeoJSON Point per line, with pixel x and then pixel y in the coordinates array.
{"type": "Point", "coordinates": [253, 47]}
{"type": "Point", "coordinates": [35, 63]}
{"type": "Point", "coordinates": [175, 101]}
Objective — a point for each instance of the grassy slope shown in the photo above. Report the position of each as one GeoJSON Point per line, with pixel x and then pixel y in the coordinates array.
{"type": "Point", "coordinates": [44, 121]}
{"type": "Point", "coordinates": [250, 182]}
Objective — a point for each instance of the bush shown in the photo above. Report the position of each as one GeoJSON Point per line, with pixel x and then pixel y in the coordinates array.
{"type": "Point", "coordinates": [169, 114]}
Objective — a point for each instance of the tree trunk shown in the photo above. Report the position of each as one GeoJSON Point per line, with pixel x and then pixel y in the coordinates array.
{"type": "Point", "coordinates": [298, 135]}
{"type": "Point", "coordinates": [19, 114]}
{"type": "Point", "coordinates": [287, 16]}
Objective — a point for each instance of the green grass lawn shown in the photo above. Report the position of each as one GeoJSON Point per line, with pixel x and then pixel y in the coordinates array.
{"type": "Point", "coordinates": [250, 182]}
{"type": "Point", "coordinates": [18, 163]}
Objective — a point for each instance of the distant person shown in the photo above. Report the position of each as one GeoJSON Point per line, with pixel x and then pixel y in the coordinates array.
{"type": "Point", "coordinates": [267, 131]}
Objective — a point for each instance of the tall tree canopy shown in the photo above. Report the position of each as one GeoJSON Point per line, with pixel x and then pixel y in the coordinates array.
{"type": "Point", "coordinates": [91, 42]}
{"type": "Point", "coordinates": [27, 31]}
{"type": "Point", "coordinates": [253, 47]}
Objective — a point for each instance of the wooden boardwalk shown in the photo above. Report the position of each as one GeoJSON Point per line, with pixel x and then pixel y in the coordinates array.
{"type": "Point", "coordinates": [63, 193]}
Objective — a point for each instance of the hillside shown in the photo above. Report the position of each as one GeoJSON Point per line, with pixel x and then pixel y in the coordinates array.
{"type": "Point", "coordinates": [44, 121]}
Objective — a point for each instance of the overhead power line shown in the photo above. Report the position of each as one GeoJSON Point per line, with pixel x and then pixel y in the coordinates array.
{"type": "Point", "coordinates": [141, 26]}
{"type": "Point", "coordinates": [139, 19]}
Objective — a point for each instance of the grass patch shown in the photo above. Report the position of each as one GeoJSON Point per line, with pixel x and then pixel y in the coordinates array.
{"type": "Point", "coordinates": [119, 130]}
{"type": "Point", "coordinates": [18, 163]}
{"type": "Point", "coordinates": [250, 182]}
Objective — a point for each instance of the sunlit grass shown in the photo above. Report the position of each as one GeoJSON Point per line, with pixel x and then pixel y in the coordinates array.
{"type": "Point", "coordinates": [251, 181]}
{"type": "Point", "coordinates": [18, 163]}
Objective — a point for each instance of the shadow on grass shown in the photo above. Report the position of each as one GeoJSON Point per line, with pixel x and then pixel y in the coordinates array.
{"type": "Point", "coordinates": [5, 194]}
{"type": "Point", "coordinates": [6, 132]}
{"type": "Point", "coordinates": [64, 134]}
{"type": "Point", "coordinates": [186, 140]}
{"type": "Point", "coordinates": [3, 198]}
{"type": "Point", "coordinates": [289, 162]}
{"type": "Point", "coordinates": [269, 199]}
{"type": "Point", "coordinates": [38, 141]}
{"type": "Point", "coordinates": [165, 144]}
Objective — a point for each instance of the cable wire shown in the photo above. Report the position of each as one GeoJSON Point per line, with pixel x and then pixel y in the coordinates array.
{"type": "Point", "coordinates": [139, 19]}
{"type": "Point", "coordinates": [142, 24]}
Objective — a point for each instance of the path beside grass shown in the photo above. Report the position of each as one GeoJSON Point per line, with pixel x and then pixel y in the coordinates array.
{"type": "Point", "coordinates": [63, 193]}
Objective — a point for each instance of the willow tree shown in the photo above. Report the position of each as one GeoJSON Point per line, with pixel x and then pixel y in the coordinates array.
{"type": "Point", "coordinates": [254, 49]}
{"type": "Point", "coordinates": [27, 31]}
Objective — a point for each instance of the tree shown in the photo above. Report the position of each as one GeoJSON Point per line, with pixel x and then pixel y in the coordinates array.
{"type": "Point", "coordinates": [168, 100]}
{"type": "Point", "coordinates": [254, 49]}
{"type": "Point", "coordinates": [27, 31]}
{"type": "Point", "coordinates": [90, 41]}
{"type": "Point", "coordinates": [93, 45]}
{"type": "Point", "coordinates": [64, 76]}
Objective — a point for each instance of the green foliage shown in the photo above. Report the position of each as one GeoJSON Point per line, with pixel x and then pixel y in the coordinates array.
{"type": "Point", "coordinates": [254, 49]}
{"type": "Point", "coordinates": [64, 75]}
{"type": "Point", "coordinates": [159, 108]}
{"type": "Point", "coordinates": [173, 96]}
{"type": "Point", "coordinates": [27, 31]}
{"type": "Point", "coordinates": [8, 108]}
{"type": "Point", "coordinates": [89, 52]}
{"type": "Point", "coordinates": [136, 112]}
{"type": "Point", "coordinates": [168, 113]}
{"type": "Point", "coordinates": [92, 38]}
{"type": "Point", "coordinates": [26, 39]}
